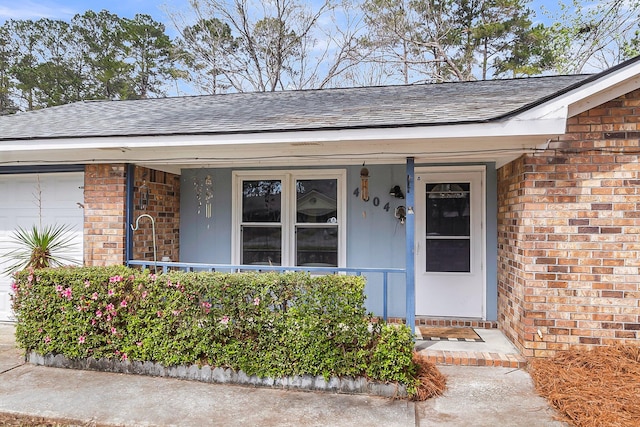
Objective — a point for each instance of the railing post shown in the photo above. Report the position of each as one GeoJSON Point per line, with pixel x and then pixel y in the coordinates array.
{"type": "Point", "coordinates": [410, 247]}
{"type": "Point", "coordinates": [385, 278]}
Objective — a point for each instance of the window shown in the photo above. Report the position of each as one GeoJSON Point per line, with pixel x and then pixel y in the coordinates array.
{"type": "Point", "coordinates": [448, 227]}
{"type": "Point", "coordinates": [289, 218]}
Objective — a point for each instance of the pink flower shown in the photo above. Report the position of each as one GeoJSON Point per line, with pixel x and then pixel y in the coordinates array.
{"type": "Point", "coordinates": [123, 303]}
{"type": "Point", "coordinates": [93, 322]}
{"type": "Point", "coordinates": [67, 293]}
{"type": "Point", "coordinates": [159, 313]}
{"type": "Point", "coordinates": [124, 356]}
{"type": "Point", "coordinates": [113, 330]}
{"type": "Point", "coordinates": [94, 296]}
{"type": "Point", "coordinates": [256, 301]}
{"type": "Point", "coordinates": [98, 313]}
{"type": "Point", "coordinates": [144, 294]}
{"type": "Point", "coordinates": [14, 287]}
{"type": "Point", "coordinates": [81, 339]}
{"type": "Point", "coordinates": [115, 279]}
{"type": "Point", "coordinates": [47, 340]}
{"type": "Point", "coordinates": [110, 292]}
{"type": "Point", "coordinates": [110, 307]}
{"type": "Point", "coordinates": [108, 318]}
{"type": "Point", "coordinates": [152, 277]}
{"type": "Point", "coordinates": [139, 343]}
{"type": "Point", "coordinates": [206, 304]}
{"type": "Point", "coordinates": [79, 308]}
{"type": "Point", "coordinates": [224, 320]}
{"type": "Point", "coordinates": [87, 283]}
{"type": "Point", "coordinates": [175, 312]}
{"type": "Point", "coordinates": [30, 278]}
{"type": "Point", "coordinates": [59, 288]}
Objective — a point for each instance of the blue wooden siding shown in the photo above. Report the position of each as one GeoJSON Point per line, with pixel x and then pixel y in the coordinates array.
{"type": "Point", "coordinates": [375, 238]}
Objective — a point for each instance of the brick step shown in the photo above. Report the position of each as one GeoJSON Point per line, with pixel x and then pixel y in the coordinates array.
{"type": "Point", "coordinates": [474, 358]}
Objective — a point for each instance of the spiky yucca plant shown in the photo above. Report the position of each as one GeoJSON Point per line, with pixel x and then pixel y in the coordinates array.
{"type": "Point", "coordinates": [40, 247]}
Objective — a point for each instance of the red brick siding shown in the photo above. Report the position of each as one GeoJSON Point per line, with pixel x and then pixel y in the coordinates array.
{"type": "Point", "coordinates": [164, 207]}
{"type": "Point", "coordinates": [569, 235]}
{"type": "Point", "coordinates": [104, 214]}
{"type": "Point", "coordinates": [105, 224]}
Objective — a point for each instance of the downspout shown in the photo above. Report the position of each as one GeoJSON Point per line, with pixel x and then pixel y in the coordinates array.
{"type": "Point", "coordinates": [129, 209]}
{"type": "Point", "coordinates": [410, 247]}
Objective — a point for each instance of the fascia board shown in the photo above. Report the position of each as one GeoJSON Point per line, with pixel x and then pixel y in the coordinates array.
{"type": "Point", "coordinates": [516, 126]}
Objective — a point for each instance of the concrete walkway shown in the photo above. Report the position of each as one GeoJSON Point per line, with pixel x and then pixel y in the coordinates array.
{"type": "Point", "coordinates": [476, 396]}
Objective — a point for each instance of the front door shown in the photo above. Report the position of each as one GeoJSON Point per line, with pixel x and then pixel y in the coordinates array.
{"type": "Point", "coordinates": [449, 243]}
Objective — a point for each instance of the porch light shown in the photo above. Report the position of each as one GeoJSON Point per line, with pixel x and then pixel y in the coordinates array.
{"type": "Point", "coordinates": [144, 195]}
{"type": "Point", "coordinates": [396, 192]}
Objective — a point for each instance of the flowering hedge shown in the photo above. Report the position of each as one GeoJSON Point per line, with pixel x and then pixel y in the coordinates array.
{"type": "Point", "coordinates": [265, 324]}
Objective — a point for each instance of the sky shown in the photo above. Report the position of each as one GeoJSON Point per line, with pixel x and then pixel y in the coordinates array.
{"type": "Point", "coordinates": [66, 9]}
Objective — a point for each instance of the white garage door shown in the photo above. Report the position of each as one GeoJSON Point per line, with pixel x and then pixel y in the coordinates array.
{"type": "Point", "coordinates": [61, 198]}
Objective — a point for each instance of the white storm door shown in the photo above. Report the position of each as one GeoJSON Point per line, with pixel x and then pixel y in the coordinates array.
{"type": "Point", "coordinates": [61, 196]}
{"type": "Point", "coordinates": [450, 240]}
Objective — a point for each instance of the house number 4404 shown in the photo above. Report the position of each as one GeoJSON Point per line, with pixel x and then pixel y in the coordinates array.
{"type": "Point", "coordinates": [375, 201]}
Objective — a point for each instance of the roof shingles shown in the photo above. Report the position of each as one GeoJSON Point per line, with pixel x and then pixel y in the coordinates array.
{"type": "Point", "coordinates": [374, 107]}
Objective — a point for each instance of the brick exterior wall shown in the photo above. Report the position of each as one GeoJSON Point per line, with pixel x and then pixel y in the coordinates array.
{"type": "Point", "coordinates": [164, 207]}
{"type": "Point", "coordinates": [104, 214]}
{"type": "Point", "coordinates": [105, 223]}
{"type": "Point", "coordinates": [569, 236]}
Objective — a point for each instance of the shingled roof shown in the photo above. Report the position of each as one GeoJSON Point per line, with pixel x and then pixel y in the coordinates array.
{"type": "Point", "coordinates": [353, 108]}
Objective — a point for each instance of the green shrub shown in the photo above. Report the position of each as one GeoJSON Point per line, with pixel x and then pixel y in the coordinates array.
{"type": "Point", "coordinates": [266, 324]}
{"type": "Point", "coordinates": [392, 357]}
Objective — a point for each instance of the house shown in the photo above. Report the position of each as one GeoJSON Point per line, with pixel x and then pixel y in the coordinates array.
{"type": "Point", "coordinates": [511, 204]}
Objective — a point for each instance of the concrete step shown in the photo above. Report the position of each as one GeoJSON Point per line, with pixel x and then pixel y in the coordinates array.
{"type": "Point", "coordinates": [474, 358]}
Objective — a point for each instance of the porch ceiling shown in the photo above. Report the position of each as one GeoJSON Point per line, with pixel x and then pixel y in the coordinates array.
{"type": "Point", "coordinates": [298, 151]}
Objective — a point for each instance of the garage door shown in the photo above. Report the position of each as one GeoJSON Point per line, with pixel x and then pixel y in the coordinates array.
{"type": "Point", "coordinates": [61, 196]}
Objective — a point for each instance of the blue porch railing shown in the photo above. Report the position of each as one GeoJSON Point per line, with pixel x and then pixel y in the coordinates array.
{"type": "Point", "coordinates": [191, 266]}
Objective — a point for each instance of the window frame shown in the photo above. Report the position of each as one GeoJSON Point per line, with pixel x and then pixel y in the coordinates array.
{"type": "Point", "coordinates": [288, 218]}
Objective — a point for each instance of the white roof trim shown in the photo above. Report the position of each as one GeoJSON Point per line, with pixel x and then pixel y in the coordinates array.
{"type": "Point", "coordinates": [510, 128]}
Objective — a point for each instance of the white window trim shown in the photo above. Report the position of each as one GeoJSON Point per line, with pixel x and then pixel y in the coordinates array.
{"type": "Point", "coordinates": [288, 179]}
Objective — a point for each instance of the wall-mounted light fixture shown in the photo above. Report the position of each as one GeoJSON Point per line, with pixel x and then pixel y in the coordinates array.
{"type": "Point", "coordinates": [144, 195]}
{"type": "Point", "coordinates": [396, 192]}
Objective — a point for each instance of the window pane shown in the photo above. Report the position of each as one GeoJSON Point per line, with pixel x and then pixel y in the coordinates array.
{"type": "Point", "coordinates": [317, 246]}
{"type": "Point", "coordinates": [448, 210]}
{"type": "Point", "coordinates": [449, 255]}
{"type": "Point", "coordinates": [261, 201]}
{"type": "Point", "coordinates": [316, 200]}
{"type": "Point", "coordinates": [261, 245]}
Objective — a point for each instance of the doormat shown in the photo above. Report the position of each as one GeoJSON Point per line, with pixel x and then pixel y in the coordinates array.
{"type": "Point", "coordinates": [447, 334]}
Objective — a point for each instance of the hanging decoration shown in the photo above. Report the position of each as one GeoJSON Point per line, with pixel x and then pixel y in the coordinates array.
{"type": "Point", "coordinates": [203, 189]}
{"type": "Point", "coordinates": [208, 196]}
{"type": "Point", "coordinates": [144, 195]}
{"type": "Point", "coordinates": [364, 183]}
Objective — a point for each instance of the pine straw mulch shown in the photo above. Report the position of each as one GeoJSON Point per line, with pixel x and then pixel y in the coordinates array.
{"type": "Point", "coordinates": [432, 382]}
{"type": "Point", "coordinates": [600, 387]}
{"type": "Point", "coordinates": [20, 420]}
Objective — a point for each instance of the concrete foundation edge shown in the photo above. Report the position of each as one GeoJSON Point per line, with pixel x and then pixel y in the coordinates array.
{"type": "Point", "coordinates": [208, 374]}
